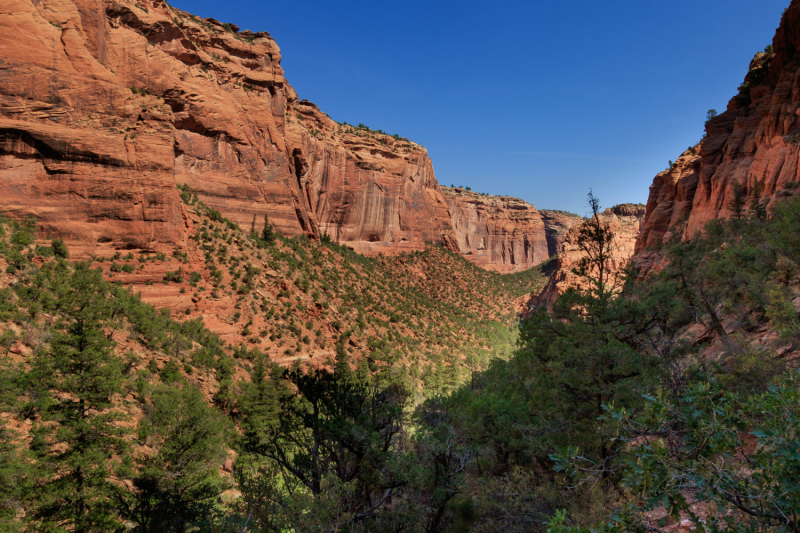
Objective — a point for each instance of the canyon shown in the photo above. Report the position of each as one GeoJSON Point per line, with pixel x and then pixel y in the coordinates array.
{"type": "Point", "coordinates": [107, 105]}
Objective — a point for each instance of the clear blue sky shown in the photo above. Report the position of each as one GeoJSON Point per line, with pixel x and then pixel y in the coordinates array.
{"type": "Point", "coordinates": [536, 99]}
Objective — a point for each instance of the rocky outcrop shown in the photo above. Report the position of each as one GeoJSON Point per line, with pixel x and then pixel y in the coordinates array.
{"type": "Point", "coordinates": [366, 189]}
{"type": "Point", "coordinates": [624, 221]}
{"type": "Point", "coordinates": [106, 105]}
{"type": "Point", "coordinates": [502, 233]}
{"type": "Point", "coordinates": [556, 226]}
{"type": "Point", "coordinates": [754, 146]}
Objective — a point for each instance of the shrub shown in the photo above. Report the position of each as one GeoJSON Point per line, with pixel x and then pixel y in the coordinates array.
{"type": "Point", "coordinates": [59, 248]}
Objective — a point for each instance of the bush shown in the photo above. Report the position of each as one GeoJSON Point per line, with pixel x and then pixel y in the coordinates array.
{"type": "Point", "coordinates": [59, 248]}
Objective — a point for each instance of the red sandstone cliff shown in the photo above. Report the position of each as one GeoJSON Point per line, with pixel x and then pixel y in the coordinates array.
{"type": "Point", "coordinates": [502, 233]}
{"type": "Point", "coordinates": [755, 143]}
{"type": "Point", "coordinates": [624, 221]}
{"type": "Point", "coordinates": [106, 105]}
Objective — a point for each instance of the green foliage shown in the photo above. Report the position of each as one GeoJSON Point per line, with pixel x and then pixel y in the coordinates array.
{"type": "Point", "coordinates": [261, 404]}
{"type": "Point", "coordinates": [59, 248]}
{"type": "Point", "coordinates": [16, 476]}
{"type": "Point", "coordinates": [268, 234]}
{"type": "Point", "coordinates": [738, 199]}
{"type": "Point", "coordinates": [177, 488]}
{"type": "Point", "coordinates": [338, 423]}
{"type": "Point", "coordinates": [332, 447]}
{"type": "Point", "coordinates": [83, 370]}
{"type": "Point", "coordinates": [570, 362]}
{"type": "Point", "coordinates": [782, 314]}
{"type": "Point", "coordinates": [735, 454]}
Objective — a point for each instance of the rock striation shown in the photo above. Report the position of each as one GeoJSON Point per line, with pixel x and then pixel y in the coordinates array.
{"type": "Point", "coordinates": [754, 146]}
{"type": "Point", "coordinates": [624, 221]}
{"type": "Point", "coordinates": [502, 233]}
{"type": "Point", "coordinates": [107, 105]}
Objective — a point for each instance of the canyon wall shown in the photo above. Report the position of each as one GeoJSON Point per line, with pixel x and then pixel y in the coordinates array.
{"type": "Point", "coordinates": [754, 146]}
{"type": "Point", "coordinates": [107, 105]}
{"type": "Point", "coordinates": [502, 233]}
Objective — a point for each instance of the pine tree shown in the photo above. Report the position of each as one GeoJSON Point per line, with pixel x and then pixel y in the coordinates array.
{"type": "Point", "coordinates": [84, 374]}
{"type": "Point", "coordinates": [175, 489]}
{"type": "Point", "coordinates": [268, 234]}
{"type": "Point", "coordinates": [738, 200]}
{"type": "Point", "coordinates": [260, 403]}
{"type": "Point", "coordinates": [758, 207]}
{"type": "Point", "coordinates": [596, 240]}
{"type": "Point", "coordinates": [16, 472]}
{"type": "Point", "coordinates": [584, 355]}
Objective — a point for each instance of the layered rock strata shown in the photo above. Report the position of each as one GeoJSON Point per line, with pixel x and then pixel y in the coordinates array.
{"type": "Point", "coordinates": [106, 105]}
{"type": "Point", "coordinates": [754, 146]}
{"type": "Point", "coordinates": [502, 233]}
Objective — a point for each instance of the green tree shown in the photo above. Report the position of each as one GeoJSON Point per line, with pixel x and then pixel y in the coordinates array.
{"type": "Point", "coordinates": [585, 353]}
{"type": "Point", "coordinates": [339, 431]}
{"type": "Point", "coordinates": [738, 200]}
{"type": "Point", "coordinates": [758, 206]}
{"type": "Point", "coordinates": [260, 403]}
{"type": "Point", "coordinates": [16, 473]}
{"type": "Point", "coordinates": [177, 488]}
{"type": "Point", "coordinates": [268, 234]}
{"type": "Point", "coordinates": [736, 454]}
{"type": "Point", "coordinates": [80, 433]}
{"type": "Point", "coordinates": [59, 248]}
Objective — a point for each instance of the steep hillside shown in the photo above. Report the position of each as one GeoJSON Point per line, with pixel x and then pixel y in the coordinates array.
{"type": "Point", "coordinates": [750, 152]}
{"type": "Point", "coordinates": [502, 233]}
{"type": "Point", "coordinates": [106, 105]}
{"type": "Point", "coordinates": [80, 347]}
{"type": "Point", "coordinates": [294, 299]}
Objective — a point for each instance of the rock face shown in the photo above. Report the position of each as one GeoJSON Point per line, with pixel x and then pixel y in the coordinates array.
{"type": "Point", "coordinates": [106, 105]}
{"type": "Point", "coordinates": [368, 190]}
{"type": "Point", "coordinates": [556, 226]}
{"type": "Point", "coordinates": [624, 221]}
{"type": "Point", "coordinates": [753, 145]}
{"type": "Point", "coordinates": [502, 233]}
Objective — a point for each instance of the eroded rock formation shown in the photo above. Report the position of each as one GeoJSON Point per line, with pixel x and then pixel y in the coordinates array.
{"type": "Point", "coordinates": [754, 145]}
{"type": "Point", "coordinates": [502, 233]}
{"type": "Point", "coordinates": [106, 105]}
{"type": "Point", "coordinates": [624, 221]}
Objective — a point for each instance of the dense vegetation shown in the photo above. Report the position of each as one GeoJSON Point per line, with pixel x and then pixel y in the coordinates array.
{"type": "Point", "coordinates": [117, 416]}
{"type": "Point", "coordinates": [645, 399]}
{"type": "Point", "coordinates": [640, 398]}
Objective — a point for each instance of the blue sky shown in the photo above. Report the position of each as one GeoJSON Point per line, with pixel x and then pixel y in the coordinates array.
{"type": "Point", "coordinates": [542, 100]}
